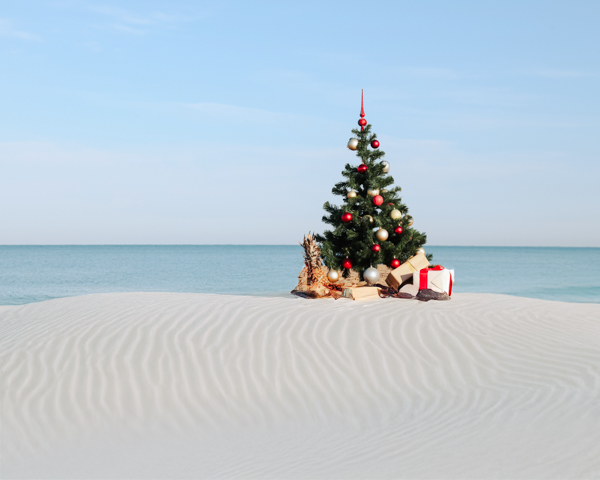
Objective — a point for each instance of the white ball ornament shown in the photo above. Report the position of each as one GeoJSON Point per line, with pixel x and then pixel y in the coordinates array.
{"type": "Point", "coordinates": [382, 234]}
{"type": "Point", "coordinates": [333, 276]}
{"type": "Point", "coordinates": [371, 275]}
{"type": "Point", "coordinates": [351, 194]}
{"type": "Point", "coordinates": [421, 250]}
{"type": "Point", "coordinates": [353, 144]}
{"type": "Point", "coordinates": [386, 166]}
{"type": "Point", "coordinates": [372, 192]}
{"type": "Point", "coordinates": [395, 214]}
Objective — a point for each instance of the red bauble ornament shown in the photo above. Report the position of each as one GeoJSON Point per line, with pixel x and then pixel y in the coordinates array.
{"type": "Point", "coordinates": [362, 168]}
{"type": "Point", "coordinates": [398, 229]}
{"type": "Point", "coordinates": [347, 264]}
{"type": "Point", "coordinates": [395, 263]}
{"type": "Point", "coordinates": [346, 217]}
{"type": "Point", "coordinates": [377, 200]}
{"type": "Point", "coordinates": [362, 122]}
{"type": "Point", "coordinates": [375, 143]}
{"type": "Point", "coordinates": [375, 248]}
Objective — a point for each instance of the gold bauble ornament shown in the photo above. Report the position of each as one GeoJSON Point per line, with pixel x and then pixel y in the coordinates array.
{"type": "Point", "coordinates": [333, 276]}
{"type": "Point", "coordinates": [382, 235]}
{"type": "Point", "coordinates": [351, 194]}
{"type": "Point", "coordinates": [386, 166]}
{"type": "Point", "coordinates": [410, 220]}
{"type": "Point", "coordinates": [367, 218]}
{"type": "Point", "coordinates": [395, 214]}
{"type": "Point", "coordinates": [421, 250]}
{"type": "Point", "coordinates": [384, 190]}
{"type": "Point", "coordinates": [353, 144]}
{"type": "Point", "coordinates": [372, 192]}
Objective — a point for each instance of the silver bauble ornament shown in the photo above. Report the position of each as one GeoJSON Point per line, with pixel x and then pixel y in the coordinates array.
{"type": "Point", "coordinates": [333, 276]}
{"type": "Point", "coordinates": [421, 250]}
{"type": "Point", "coordinates": [372, 192]}
{"type": "Point", "coordinates": [382, 235]}
{"type": "Point", "coordinates": [367, 218]}
{"type": "Point", "coordinates": [353, 143]}
{"type": "Point", "coordinates": [386, 166]}
{"type": "Point", "coordinates": [410, 220]}
{"type": "Point", "coordinates": [351, 194]}
{"type": "Point", "coordinates": [371, 275]}
{"type": "Point", "coordinates": [395, 214]}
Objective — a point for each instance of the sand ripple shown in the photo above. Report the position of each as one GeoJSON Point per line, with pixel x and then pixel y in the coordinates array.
{"type": "Point", "coordinates": [147, 385]}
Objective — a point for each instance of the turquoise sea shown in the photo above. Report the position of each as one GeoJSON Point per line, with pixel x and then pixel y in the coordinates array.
{"type": "Point", "coordinates": [36, 273]}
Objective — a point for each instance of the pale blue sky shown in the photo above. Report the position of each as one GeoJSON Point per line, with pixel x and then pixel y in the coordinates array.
{"type": "Point", "coordinates": [227, 122]}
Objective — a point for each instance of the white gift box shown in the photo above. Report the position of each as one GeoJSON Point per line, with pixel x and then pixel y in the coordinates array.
{"type": "Point", "coordinates": [438, 279]}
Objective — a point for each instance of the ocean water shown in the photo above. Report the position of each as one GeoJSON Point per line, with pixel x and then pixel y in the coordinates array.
{"type": "Point", "coordinates": [37, 273]}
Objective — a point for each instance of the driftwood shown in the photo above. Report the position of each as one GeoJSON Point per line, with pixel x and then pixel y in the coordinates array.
{"type": "Point", "coordinates": [313, 281]}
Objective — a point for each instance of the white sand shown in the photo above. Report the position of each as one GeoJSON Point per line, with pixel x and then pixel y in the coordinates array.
{"type": "Point", "coordinates": [153, 385]}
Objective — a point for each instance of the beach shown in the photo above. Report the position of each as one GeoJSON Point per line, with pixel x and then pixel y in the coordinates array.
{"type": "Point", "coordinates": [175, 385]}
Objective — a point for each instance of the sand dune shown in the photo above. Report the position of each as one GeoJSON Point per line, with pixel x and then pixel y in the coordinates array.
{"type": "Point", "coordinates": [162, 385]}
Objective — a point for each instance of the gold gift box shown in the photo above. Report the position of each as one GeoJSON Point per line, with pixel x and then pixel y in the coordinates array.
{"type": "Point", "coordinates": [361, 293]}
{"type": "Point", "coordinates": [405, 271]}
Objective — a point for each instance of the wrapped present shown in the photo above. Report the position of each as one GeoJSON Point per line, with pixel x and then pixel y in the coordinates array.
{"type": "Point", "coordinates": [361, 293]}
{"type": "Point", "coordinates": [406, 270]}
{"type": "Point", "coordinates": [438, 279]}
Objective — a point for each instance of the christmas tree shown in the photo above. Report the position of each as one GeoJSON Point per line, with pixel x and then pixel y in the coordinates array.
{"type": "Point", "coordinates": [372, 226]}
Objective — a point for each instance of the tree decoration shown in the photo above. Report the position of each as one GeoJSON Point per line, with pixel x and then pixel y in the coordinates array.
{"type": "Point", "coordinates": [376, 247]}
{"type": "Point", "coordinates": [333, 276]}
{"type": "Point", "coordinates": [375, 144]}
{"type": "Point", "coordinates": [398, 230]}
{"type": "Point", "coordinates": [371, 275]}
{"type": "Point", "coordinates": [351, 194]}
{"type": "Point", "coordinates": [395, 263]}
{"type": "Point", "coordinates": [395, 214]}
{"type": "Point", "coordinates": [353, 143]}
{"type": "Point", "coordinates": [382, 234]}
{"type": "Point", "coordinates": [421, 250]}
{"type": "Point", "coordinates": [356, 239]}
{"type": "Point", "coordinates": [347, 217]}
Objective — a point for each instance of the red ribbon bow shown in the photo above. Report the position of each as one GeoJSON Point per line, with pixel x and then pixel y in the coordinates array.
{"type": "Point", "coordinates": [423, 278]}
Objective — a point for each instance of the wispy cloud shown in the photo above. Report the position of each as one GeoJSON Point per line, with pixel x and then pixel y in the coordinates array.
{"type": "Point", "coordinates": [7, 29]}
{"type": "Point", "coordinates": [551, 73]}
{"type": "Point", "coordinates": [233, 112]}
{"type": "Point", "coordinates": [137, 23]}
{"type": "Point", "coordinates": [429, 72]}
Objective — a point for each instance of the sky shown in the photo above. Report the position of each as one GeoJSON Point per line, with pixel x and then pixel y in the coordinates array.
{"type": "Point", "coordinates": [189, 122]}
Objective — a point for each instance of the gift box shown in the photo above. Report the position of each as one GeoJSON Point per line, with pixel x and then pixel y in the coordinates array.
{"type": "Point", "coordinates": [361, 293]}
{"type": "Point", "coordinates": [406, 270]}
{"type": "Point", "coordinates": [438, 279]}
